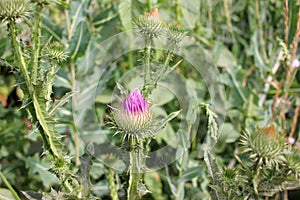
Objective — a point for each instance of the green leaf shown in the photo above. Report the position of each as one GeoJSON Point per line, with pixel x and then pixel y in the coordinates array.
{"type": "Point", "coordinates": [162, 95]}
{"type": "Point", "coordinates": [190, 11]}
{"type": "Point", "coordinates": [54, 30]}
{"type": "Point", "coordinates": [223, 57]}
{"type": "Point", "coordinates": [36, 166]}
{"type": "Point", "coordinates": [191, 173]}
{"type": "Point", "coordinates": [80, 40]}
{"type": "Point", "coordinates": [154, 184]}
{"type": "Point", "coordinates": [229, 133]}
{"type": "Point", "coordinates": [171, 185]}
{"type": "Point", "coordinates": [214, 173]}
{"type": "Point", "coordinates": [78, 13]}
{"type": "Point", "coordinates": [5, 194]}
{"type": "Point", "coordinates": [48, 128]}
{"type": "Point", "coordinates": [162, 123]}
{"type": "Point", "coordinates": [61, 102]}
{"type": "Point", "coordinates": [62, 81]}
{"type": "Point", "coordinates": [125, 10]}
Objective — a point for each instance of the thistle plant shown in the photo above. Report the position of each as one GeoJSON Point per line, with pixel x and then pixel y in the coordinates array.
{"type": "Point", "coordinates": [133, 119]}
{"type": "Point", "coordinates": [132, 116]}
{"type": "Point", "coordinates": [267, 165]}
{"type": "Point", "coordinates": [37, 68]}
{"type": "Point", "coordinates": [151, 26]}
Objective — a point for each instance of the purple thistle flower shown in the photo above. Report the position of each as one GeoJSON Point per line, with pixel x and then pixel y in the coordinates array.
{"type": "Point", "coordinates": [134, 103]}
{"type": "Point", "coordinates": [132, 115]}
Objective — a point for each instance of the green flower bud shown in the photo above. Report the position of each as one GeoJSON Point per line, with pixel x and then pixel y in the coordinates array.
{"type": "Point", "coordinates": [264, 146]}
{"type": "Point", "coordinates": [12, 10]}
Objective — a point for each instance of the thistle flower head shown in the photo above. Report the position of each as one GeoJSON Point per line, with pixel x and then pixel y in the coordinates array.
{"type": "Point", "coordinates": [150, 25]}
{"type": "Point", "coordinates": [132, 115]}
{"type": "Point", "coordinates": [175, 33]}
{"type": "Point", "coordinates": [293, 162]}
{"type": "Point", "coordinates": [56, 52]}
{"type": "Point", "coordinates": [265, 146]}
{"type": "Point", "coordinates": [11, 10]}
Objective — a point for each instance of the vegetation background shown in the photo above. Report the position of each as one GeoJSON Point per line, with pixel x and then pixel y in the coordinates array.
{"type": "Point", "coordinates": [253, 44]}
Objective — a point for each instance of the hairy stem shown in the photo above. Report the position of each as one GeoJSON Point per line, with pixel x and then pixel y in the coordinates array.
{"type": "Point", "coordinates": [147, 68]}
{"type": "Point", "coordinates": [19, 55]}
{"type": "Point", "coordinates": [36, 44]}
{"type": "Point", "coordinates": [112, 185]}
{"type": "Point", "coordinates": [36, 111]}
{"type": "Point", "coordinates": [148, 63]}
{"type": "Point", "coordinates": [163, 71]}
{"type": "Point", "coordinates": [177, 11]}
{"type": "Point", "coordinates": [134, 176]}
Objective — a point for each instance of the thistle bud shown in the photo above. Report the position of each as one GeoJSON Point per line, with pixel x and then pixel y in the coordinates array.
{"type": "Point", "coordinates": [293, 162]}
{"type": "Point", "coordinates": [56, 52]}
{"type": "Point", "coordinates": [265, 146]}
{"type": "Point", "coordinates": [150, 25]}
{"type": "Point", "coordinates": [175, 33]}
{"type": "Point", "coordinates": [13, 10]}
{"type": "Point", "coordinates": [132, 115]}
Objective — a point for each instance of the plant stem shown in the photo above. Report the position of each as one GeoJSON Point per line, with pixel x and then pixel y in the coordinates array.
{"type": "Point", "coordinates": [36, 44]}
{"type": "Point", "coordinates": [8, 185]}
{"type": "Point", "coordinates": [164, 70]}
{"type": "Point", "coordinates": [76, 136]}
{"type": "Point", "coordinates": [37, 113]}
{"type": "Point", "coordinates": [112, 185]}
{"type": "Point", "coordinates": [19, 54]}
{"type": "Point", "coordinates": [49, 82]}
{"type": "Point", "coordinates": [177, 11]}
{"type": "Point", "coordinates": [148, 63]}
{"type": "Point", "coordinates": [294, 122]}
{"type": "Point", "coordinates": [147, 67]}
{"type": "Point", "coordinates": [228, 19]}
{"type": "Point", "coordinates": [286, 22]}
{"type": "Point", "coordinates": [260, 32]}
{"type": "Point", "coordinates": [149, 4]}
{"type": "Point", "coordinates": [134, 176]}
{"type": "Point", "coordinates": [73, 80]}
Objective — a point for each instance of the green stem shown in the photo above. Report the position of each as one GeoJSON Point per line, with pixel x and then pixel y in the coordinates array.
{"type": "Point", "coordinates": [228, 19]}
{"type": "Point", "coordinates": [49, 83]}
{"type": "Point", "coordinates": [36, 44]}
{"type": "Point", "coordinates": [166, 64]}
{"type": "Point", "coordinates": [208, 2]}
{"type": "Point", "coordinates": [134, 179]}
{"type": "Point", "coordinates": [8, 185]}
{"type": "Point", "coordinates": [147, 68]}
{"type": "Point", "coordinates": [149, 4]}
{"type": "Point", "coordinates": [37, 112]}
{"type": "Point", "coordinates": [148, 64]}
{"type": "Point", "coordinates": [177, 11]}
{"type": "Point", "coordinates": [19, 55]}
{"type": "Point", "coordinates": [112, 185]}
{"type": "Point", "coordinates": [162, 72]}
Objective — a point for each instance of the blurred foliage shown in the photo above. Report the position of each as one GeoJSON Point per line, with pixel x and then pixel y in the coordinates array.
{"type": "Point", "coordinates": [252, 48]}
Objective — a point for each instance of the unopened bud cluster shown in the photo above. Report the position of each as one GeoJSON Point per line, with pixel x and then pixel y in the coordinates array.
{"type": "Point", "coordinates": [152, 26]}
